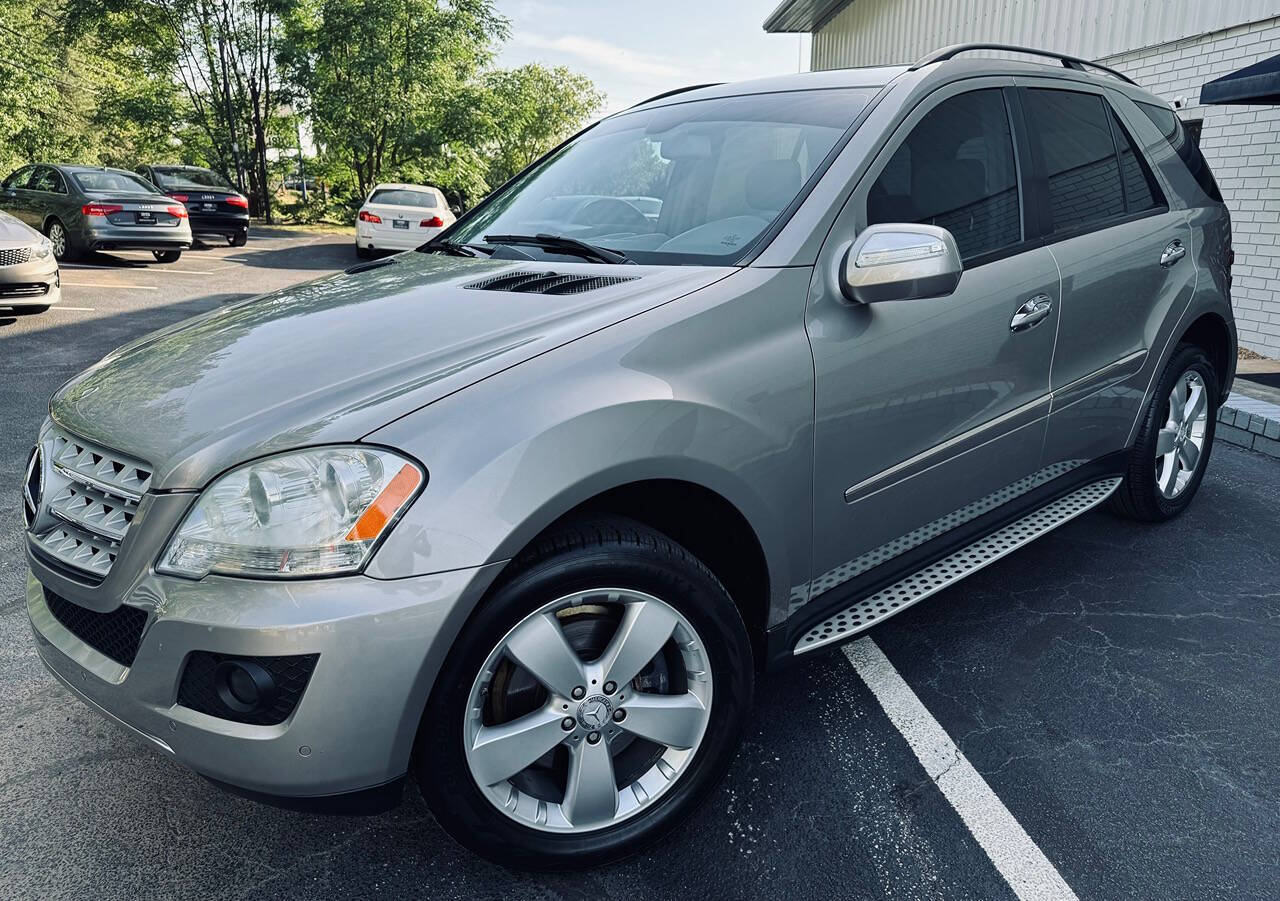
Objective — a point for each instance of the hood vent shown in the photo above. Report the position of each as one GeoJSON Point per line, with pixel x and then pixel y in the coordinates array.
{"type": "Point", "coordinates": [526, 282]}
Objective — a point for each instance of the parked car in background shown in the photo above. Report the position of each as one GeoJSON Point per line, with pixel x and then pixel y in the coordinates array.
{"type": "Point", "coordinates": [213, 205]}
{"type": "Point", "coordinates": [87, 208]}
{"type": "Point", "coordinates": [528, 512]}
{"type": "Point", "coordinates": [400, 217]}
{"type": "Point", "coordinates": [29, 279]}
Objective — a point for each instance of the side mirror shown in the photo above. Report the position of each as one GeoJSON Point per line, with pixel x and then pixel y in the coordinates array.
{"type": "Point", "coordinates": [900, 262]}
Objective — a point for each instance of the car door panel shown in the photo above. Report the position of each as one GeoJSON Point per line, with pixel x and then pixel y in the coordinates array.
{"type": "Point", "coordinates": [926, 409]}
{"type": "Point", "coordinates": [1117, 291]}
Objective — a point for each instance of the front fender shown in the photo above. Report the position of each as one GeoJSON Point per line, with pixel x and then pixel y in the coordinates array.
{"type": "Point", "coordinates": [715, 390]}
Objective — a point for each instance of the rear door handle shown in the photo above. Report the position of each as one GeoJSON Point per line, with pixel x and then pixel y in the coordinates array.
{"type": "Point", "coordinates": [1031, 312]}
{"type": "Point", "coordinates": [1172, 253]}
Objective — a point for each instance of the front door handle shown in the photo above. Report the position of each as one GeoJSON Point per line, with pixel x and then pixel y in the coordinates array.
{"type": "Point", "coordinates": [1174, 252]}
{"type": "Point", "coordinates": [1031, 312]}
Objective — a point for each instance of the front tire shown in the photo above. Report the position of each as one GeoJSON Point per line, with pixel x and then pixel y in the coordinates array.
{"type": "Point", "coordinates": [1167, 463]}
{"type": "Point", "coordinates": [593, 701]}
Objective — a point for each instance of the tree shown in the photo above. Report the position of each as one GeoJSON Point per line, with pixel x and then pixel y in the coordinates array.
{"type": "Point", "coordinates": [221, 54]}
{"type": "Point", "coordinates": [72, 95]}
{"type": "Point", "coordinates": [381, 79]}
{"type": "Point", "coordinates": [533, 109]}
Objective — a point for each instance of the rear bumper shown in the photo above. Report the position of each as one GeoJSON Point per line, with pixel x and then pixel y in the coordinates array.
{"type": "Point", "coordinates": [388, 239]}
{"type": "Point", "coordinates": [34, 284]}
{"type": "Point", "coordinates": [218, 224]}
{"type": "Point", "coordinates": [108, 237]}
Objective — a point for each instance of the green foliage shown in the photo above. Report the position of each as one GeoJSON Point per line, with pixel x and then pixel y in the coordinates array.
{"type": "Point", "coordinates": [532, 109]}
{"type": "Point", "coordinates": [388, 90]}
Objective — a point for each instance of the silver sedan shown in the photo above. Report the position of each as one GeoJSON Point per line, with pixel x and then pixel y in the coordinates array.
{"type": "Point", "coordinates": [29, 280]}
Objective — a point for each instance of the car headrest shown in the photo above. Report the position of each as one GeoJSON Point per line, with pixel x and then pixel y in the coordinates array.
{"type": "Point", "coordinates": [772, 183]}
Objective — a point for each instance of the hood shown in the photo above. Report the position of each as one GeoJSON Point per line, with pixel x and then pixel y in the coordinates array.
{"type": "Point", "coordinates": [333, 360]}
{"type": "Point", "coordinates": [15, 232]}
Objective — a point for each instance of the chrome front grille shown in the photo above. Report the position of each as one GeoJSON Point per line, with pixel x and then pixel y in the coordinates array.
{"type": "Point", "coordinates": [89, 499]}
{"type": "Point", "coordinates": [14, 256]}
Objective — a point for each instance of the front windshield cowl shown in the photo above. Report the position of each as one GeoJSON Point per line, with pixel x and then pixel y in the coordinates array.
{"type": "Point", "coordinates": [692, 183]}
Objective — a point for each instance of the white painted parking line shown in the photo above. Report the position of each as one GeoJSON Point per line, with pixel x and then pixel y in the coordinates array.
{"type": "Point", "coordinates": [146, 267]}
{"type": "Point", "coordinates": [1017, 858]}
{"type": "Point", "coordinates": [108, 285]}
{"type": "Point", "coordinates": [59, 308]}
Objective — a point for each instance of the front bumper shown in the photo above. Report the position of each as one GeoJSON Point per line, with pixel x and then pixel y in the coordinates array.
{"type": "Point", "coordinates": [33, 284]}
{"type": "Point", "coordinates": [380, 644]}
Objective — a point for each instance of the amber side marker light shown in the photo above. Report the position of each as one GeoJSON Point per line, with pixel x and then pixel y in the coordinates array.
{"type": "Point", "coordinates": [386, 504]}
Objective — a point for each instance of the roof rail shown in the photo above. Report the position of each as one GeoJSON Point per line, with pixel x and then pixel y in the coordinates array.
{"type": "Point", "coordinates": [1070, 62]}
{"type": "Point", "coordinates": [672, 93]}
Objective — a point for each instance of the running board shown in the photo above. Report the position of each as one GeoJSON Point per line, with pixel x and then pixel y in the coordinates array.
{"type": "Point", "coordinates": [902, 594]}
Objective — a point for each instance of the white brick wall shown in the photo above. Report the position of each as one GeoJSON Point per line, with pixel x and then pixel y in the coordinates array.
{"type": "Point", "coordinates": [1242, 145]}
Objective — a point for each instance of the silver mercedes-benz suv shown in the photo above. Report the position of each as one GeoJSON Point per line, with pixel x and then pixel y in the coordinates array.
{"type": "Point", "coordinates": [728, 377]}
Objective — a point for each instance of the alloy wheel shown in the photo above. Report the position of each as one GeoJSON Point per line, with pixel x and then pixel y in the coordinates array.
{"type": "Point", "coordinates": [58, 238]}
{"type": "Point", "coordinates": [1180, 442]}
{"type": "Point", "coordinates": [588, 710]}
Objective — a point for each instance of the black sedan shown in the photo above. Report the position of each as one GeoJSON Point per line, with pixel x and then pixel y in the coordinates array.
{"type": "Point", "coordinates": [215, 207]}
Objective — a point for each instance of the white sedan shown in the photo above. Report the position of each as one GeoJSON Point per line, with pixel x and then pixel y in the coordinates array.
{"type": "Point", "coordinates": [400, 217]}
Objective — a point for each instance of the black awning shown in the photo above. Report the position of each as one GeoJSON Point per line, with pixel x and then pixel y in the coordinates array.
{"type": "Point", "coordinates": [1259, 83]}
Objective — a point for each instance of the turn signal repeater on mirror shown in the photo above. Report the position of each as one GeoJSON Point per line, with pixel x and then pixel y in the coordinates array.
{"type": "Point", "coordinates": [311, 513]}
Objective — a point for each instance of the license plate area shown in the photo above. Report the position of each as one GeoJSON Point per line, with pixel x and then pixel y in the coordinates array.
{"type": "Point", "coordinates": [145, 217]}
{"type": "Point", "coordinates": [209, 207]}
{"type": "Point", "coordinates": [399, 223]}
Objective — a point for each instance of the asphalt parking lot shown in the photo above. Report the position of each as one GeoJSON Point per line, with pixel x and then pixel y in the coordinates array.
{"type": "Point", "coordinates": [1115, 686]}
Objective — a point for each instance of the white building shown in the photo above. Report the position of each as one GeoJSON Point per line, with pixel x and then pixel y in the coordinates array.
{"type": "Point", "coordinates": [1169, 47]}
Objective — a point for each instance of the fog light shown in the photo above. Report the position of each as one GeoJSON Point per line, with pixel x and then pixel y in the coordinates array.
{"type": "Point", "coordinates": [244, 686]}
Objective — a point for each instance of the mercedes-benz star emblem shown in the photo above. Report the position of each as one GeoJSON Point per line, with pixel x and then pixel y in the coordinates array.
{"type": "Point", "coordinates": [33, 487]}
{"type": "Point", "coordinates": [594, 712]}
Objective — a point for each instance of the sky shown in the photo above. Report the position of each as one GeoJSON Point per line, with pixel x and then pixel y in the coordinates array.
{"type": "Point", "coordinates": [633, 49]}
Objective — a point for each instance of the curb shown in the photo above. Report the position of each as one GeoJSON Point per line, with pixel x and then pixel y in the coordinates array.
{"type": "Point", "coordinates": [1251, 423]}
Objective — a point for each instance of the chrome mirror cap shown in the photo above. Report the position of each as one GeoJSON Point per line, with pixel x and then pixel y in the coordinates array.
{"type": "Point", "coordinates": [900, 261]}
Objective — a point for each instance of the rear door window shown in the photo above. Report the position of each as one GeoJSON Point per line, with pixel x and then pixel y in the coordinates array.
{"type": "Point", "coordinates": [47, 180]}
{"type": "Point", "coordinates": [956, 170]}
{"type": "Point", "coordinates": [1079, 157]}
{"type": "Point", "coordinates": [1183, 144]}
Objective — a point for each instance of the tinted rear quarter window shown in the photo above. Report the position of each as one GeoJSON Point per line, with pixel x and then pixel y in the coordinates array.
{"type": "Point", "coordinates": [956, 170]}
{"type": "Point", "coordinates": [1079, 157]}
{"type": "Point", "coordinates": [1188, 150]}
{"type": "Point", "coordinates": [1140, 188]}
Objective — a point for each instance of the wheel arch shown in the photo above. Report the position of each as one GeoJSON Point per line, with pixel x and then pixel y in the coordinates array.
{"type": "Point", "coordinates": [1211, 332]}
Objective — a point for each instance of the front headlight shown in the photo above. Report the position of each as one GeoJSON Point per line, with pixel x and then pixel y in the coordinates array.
{"type": "Point", "coordinates": [42, 251]}
{"type": "Point", "coordinates": [310, 513]}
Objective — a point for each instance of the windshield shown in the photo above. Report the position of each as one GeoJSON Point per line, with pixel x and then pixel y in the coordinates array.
{"type": "Point", "coordinates": [191, 178]}
{"type": "Point", "coordinates": [403, 197]}
{"type": "Point", "coordinates": [111, 182]}
{"type": "Point", "coordinates": [691, 183]}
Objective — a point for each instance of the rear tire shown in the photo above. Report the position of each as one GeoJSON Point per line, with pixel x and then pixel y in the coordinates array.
{"type": "Point", "coordinates": [167, 256]}
{"type": "Point", "coordinates": [1159, 483]}
{"type": "Point", "coordinates": [239, 240]}
{"type": "Point", "coordinates": [575, 573]}
{"type": "Point", "coordinates": [364, 253]}
{"type": "Point", "coordinates": [64, 249]}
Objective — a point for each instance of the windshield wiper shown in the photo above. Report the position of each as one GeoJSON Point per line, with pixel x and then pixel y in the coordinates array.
{"type": "Point", "coordinates": [452, 248]}
{"type": "Point", "coordinates": [562, 244]}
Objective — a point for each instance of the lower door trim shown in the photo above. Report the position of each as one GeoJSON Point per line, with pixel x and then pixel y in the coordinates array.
{"type": "Point", "coordinates": [917, 586]}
